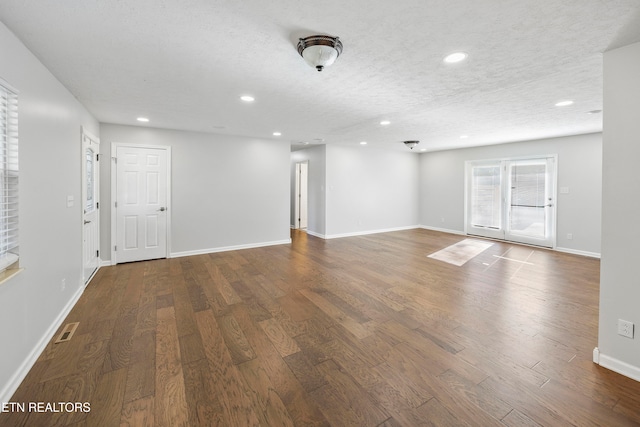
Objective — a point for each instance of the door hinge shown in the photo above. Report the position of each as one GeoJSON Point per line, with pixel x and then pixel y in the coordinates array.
{"type": "Point", "coordinates": [97, 157]}
{"type": "Point", "coordinates": [115, 204]}
{"type": "Point", "coordinates": [97, 205]}
{"type": "Point", "coordinates": [97, 253]}
{"type": "Point", "coordinates": [115, 159]}
{"type": "Point", "coordinates": [115, 248]}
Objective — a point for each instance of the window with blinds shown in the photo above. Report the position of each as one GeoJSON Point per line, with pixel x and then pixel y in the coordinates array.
{"type": "Point", "coordinates": [8, 177]}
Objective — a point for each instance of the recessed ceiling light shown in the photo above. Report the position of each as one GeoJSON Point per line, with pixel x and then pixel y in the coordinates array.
{"type": "Point", "coordinates": [564, 103]}
{"type": "Point", "coordinates": [423, 149]}
{"type": "Point", "coordinates": [247, 98]}
{"type": "Point", "coordinates": [363, 142]}
{"type": "Point", "coordinates": [277, 134]}
{"type": "Point", "coordinates": [455, 57]}
{"type": "Point", "coordinates": [385, 122]}
{"type": "Point", "coordinates": [464, 136]}
{"type": "Point", "coordinates": [142, 119]}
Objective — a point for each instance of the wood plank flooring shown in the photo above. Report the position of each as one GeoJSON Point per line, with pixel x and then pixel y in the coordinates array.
{"type": "Point", "coordinates": [358, 331]}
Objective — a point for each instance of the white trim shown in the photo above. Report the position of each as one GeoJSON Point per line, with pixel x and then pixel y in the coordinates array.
{"type": "Point", "coordinates": [615, 365]}
{"type": "Point", "coordinates": [106, 263]}
{"type": "Point", "coordinates": [443, 230]}
{"type": "Point", "coordinates": [20, 374]}
{"type": "Point", "coordinates": [363, 233]}
{"type": "Point", "coordinates": [114, 194]}
{"type": "Point", "coordinates": [6, 85]}
{"type": "Point", "coordinates": [229, 248]}
{"type": "Point", "coordinates": [578, 252]}
{"type": "Point", "coordinates": [313, 233]}
{"type": "Point", "coordinates": [89, 134]}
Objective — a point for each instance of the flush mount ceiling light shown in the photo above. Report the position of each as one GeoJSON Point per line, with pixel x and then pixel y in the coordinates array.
{"type": "Point", "coordinates": [411, 144]}
{"type": "Point", "coordinates": [385, 122]}
{"type": "Point", "coordinates": [143, 119]}
{"type": "Point", "coordinates": [564, 103]}
{"type": "Point", "coordinates": [247, 98]}
{"type": "Point", "coordinates": [320, 51]}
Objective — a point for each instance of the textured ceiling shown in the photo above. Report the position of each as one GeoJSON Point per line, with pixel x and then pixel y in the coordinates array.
{"type": "Point", "coordinates": [185, 63]}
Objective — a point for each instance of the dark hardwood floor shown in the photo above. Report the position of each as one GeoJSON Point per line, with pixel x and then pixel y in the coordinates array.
{"type": "Point", "coordinates": [358, 331]}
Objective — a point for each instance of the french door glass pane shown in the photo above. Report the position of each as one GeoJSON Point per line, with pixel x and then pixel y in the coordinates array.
{"type": "Point", "coordinates": [485, 198]}
{"type": "Point", "coordinates": [528, 199]}
{"type": "Point", "coordinates": [88, 203]}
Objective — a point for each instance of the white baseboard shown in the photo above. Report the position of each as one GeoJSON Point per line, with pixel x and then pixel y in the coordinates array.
{"type": "Point", "coordinates": [611, 363]}
{"type": "Point", "coordinates": [364, 233]}
{"type": "Point", "coordinates": [313, 233]}
{"type": "Point", "coordinates": [578, 252]}
{"type": "Point", "coordinates": [17, 378]}
{"type": "Point", "coordinates": [229, 248]}
{"type": "Point", "coordinates": [443, 230]}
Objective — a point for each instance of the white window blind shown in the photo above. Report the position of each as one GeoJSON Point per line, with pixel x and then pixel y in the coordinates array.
{"type": "Point", "coordinates": [8, 177]}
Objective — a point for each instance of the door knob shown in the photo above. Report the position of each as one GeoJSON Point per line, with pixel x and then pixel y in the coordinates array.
{"type": "Point", "coordinates": [86, 222]}
{"type": "Point", "coordinates": [162, 209]}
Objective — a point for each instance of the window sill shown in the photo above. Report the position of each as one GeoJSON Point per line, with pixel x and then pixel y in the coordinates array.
{"type": "Point", "coordinates": [8, 274]}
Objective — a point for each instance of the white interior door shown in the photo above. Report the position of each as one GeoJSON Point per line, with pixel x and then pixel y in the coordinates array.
{"type": "Point", "coordinates": [90, 206]}
{"type": "Point", "coordinates": [512, 200]}
{"type": "Point", "coordinates": [141, 203]}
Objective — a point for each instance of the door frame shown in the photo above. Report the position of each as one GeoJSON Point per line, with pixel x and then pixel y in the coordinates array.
{"type": "Point", "coordinates": [504, 175]}
{"type": "Point", "coordinates": [114, 194]}
{"type": "Point", "coordinates": [84, 133]}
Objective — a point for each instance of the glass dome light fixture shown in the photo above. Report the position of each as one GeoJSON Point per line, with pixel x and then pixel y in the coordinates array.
{"type": "Point", "coordinates": [411, 144]}
{"type": "Point", "coordinates": [320, 51]}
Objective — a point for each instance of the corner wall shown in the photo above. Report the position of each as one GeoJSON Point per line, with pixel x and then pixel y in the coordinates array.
{"type": "Point", "coordinates": [370, 190]}
{"type": "Point", "coordinates": [227, 192]}
{"type": "Point", "coordinates": [579, 168]}
{"type": "Point", "coordinates": [619, 281]}
{"type": "Point", "coordinates": [33, 303]}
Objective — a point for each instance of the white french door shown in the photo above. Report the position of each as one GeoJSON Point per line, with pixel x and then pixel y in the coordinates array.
{"type": "Point", "coordinates": [512, 199]}
{"type": "Point", "coordinates": [141, 202]}
{"type": "Point", "coordinates": [90, 206]}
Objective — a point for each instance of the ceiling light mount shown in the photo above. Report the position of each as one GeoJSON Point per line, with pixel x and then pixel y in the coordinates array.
{"type": "Point", "coordinates": [320, 51]}
{"type": "Point", "coordinates": [411, 144]}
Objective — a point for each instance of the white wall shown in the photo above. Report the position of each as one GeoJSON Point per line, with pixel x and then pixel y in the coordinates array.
{"type": "Point", "coordinates": [370, 190]}
{"type": "Point", "coordinates": [227, 191]}
{"type": "Point", "coordinates": [579, 168]}
{"type": "Point", "coordinates": [619, 281]}
{"type": "Point", "coordinates": [50, 120]}
{"type": "Point", "coordinates": [316, 156]}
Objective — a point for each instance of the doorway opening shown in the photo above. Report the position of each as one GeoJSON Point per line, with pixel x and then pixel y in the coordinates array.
{"type": "Point", "coordinates": [301, 196]}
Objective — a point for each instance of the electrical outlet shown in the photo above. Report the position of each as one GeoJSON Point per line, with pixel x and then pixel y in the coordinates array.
{"type": "Point", "coordinates": [625, 328]}
{"type": "Point", "coordinates": [569, 236]}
